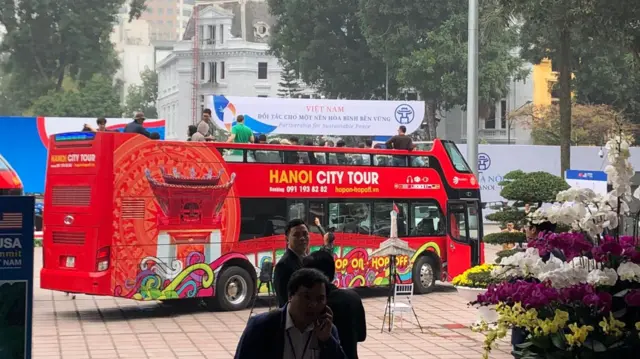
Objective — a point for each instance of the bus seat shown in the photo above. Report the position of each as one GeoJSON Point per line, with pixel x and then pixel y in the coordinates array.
{"type": "Point", "coordinates": [274, 157]}
{"type": "Point", "coordinates": [262, 157]}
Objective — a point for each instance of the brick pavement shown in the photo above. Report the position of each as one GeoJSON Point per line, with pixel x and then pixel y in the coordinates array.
{"type": "Point", "coordinates": [109, 328]}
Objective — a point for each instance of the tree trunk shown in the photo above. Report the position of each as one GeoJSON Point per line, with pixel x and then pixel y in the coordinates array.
{"type": "Point", "coordinates": [430, 116]}
{"type": "Point", "coordinates": [565, 101]}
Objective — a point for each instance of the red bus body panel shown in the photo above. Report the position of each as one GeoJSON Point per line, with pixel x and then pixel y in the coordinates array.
{"type": "Point", "coordinates": [168, 214]}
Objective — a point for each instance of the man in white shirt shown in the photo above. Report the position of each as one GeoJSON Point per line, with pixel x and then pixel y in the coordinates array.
{"type": "Point", "coordinates": [302, 329]}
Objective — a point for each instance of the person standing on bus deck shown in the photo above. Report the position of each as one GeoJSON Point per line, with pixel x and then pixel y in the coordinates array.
{"type": "Point", "coordinates": [297, 237]}
{"type": "Point", "coordinates": [400, 142]}
{"type": "Point", "coordinates": [240, 133]}
{"type": "Point", "coordinates": [206, 118]}
{"type": "Point", "coordinates": [328, 237]}
{"type": "Point", "coordinates": [136, 126]}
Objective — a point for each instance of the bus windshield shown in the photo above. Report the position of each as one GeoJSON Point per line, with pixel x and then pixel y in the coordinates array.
{"type": "Point", "coordinates": [456, 157]}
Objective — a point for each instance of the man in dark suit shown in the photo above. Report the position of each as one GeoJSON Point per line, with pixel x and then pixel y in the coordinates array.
{"type": "Point", "coordinates": [136, 126]}
{"type": "Point", "coordinates": [297, 237]}
{"type": "Point", "coordinates": [348, 311]}
{"type": "Point", "coordinates": [302, 329]}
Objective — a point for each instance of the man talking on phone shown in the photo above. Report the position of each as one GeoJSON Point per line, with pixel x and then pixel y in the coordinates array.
{"type": "Point", "coordinates": [302, 329]}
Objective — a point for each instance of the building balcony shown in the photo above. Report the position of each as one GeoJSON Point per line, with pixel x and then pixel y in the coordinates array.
{"type": "Point", "coordinates": [494, 136]}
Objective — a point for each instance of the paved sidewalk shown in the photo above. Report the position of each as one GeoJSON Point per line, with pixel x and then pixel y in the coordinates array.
{"type": "Point", "coordinates": [108, 328]}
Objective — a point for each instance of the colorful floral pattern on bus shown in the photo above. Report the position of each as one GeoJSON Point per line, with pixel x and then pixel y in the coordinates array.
{"type": "Point", "coordinates": [158, 189]}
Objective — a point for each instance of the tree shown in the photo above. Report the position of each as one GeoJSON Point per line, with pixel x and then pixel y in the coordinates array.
{"type": "Point", "coordinates": [323, 41]}
{"type": "Point", "coordinates": [99, 97]}
{"type": "Point", "coordinates": [590, 123]}
{"type": "Point", "coordinates": [608, 74]}
{"type": "Point", "coordinates": [432, 40]}
{"type": "Point", "coordinates": [288, 82]}
{"type": "Point", "coordinates": [143, 97]}
{"type": "Point", "coordinates": [46, 41]}
{"type": "Point", "coordinates": [522, 188]}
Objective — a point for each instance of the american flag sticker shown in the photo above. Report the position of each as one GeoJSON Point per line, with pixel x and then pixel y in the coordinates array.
{"type": "Point", "coordinates": [10, 220]}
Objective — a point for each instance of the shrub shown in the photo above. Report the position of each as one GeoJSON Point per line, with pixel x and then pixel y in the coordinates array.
{"type": "Point", "coordinates": [505, 237]}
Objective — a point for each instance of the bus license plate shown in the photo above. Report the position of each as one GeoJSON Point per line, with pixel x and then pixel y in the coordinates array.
{"type": "Point", "coordinates": [71, 262]}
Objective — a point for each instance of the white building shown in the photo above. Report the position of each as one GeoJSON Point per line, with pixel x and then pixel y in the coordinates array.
{"type": "Point", "coordinates": [233, 61]}
{"type": "Point", "coordinates": [131, 42]}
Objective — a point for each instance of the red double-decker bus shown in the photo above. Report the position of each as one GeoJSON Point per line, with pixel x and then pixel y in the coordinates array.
{"type": "Point", "coordinates": [163, 220]}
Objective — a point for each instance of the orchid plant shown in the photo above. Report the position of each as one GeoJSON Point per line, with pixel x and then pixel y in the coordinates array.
{"type": "Point", "coordinates": [574, 294]}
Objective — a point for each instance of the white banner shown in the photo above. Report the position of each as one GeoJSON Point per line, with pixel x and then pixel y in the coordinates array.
{"type": "Point", "coordinates": [317, 117]}
{"type": "Point", "coordinates": [494, 161]}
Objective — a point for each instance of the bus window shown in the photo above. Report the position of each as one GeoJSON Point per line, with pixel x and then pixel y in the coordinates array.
{"type": "Point", "coordinates": [472, 214]}
{"type": "Point", "coordinates": [419, 161]}
{"type": "Point", "coordinates": [262, 217]}
{"type": "Point", "coordinates": [427, 220]}
{"type": "Point", "coordinates": [349, 217]}
{"type": "Point", "coordinates": [263, 156]}
{"type": "Point", "coordinates": [296, 211]}
{"type": "Point", "coordinates": [317, 210]}
{"type": "Point", "coordinates": [382, 160]}
{"type": "Point", "coordinates": [456, 157]}
{"type": "Point", "coordinates": [382, 219]}
{"type": "Point", "coordinates": [290, 157]}
{"type": "Point", "coordinates": [457, 225]}
{"type": "Point", "coordinates": [232, 155]}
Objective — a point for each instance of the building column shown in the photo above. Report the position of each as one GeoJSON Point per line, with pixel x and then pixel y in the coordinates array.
{"type": "Point", "coordinates": [243, 18]}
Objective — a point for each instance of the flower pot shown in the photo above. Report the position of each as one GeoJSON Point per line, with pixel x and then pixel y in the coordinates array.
{"type": "Point", "coordinates": [486, 313]}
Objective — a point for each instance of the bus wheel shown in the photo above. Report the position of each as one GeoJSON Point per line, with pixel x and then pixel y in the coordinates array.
{"type": "Point", "coordinates": [424, 274]}
{"type": "Point", "coordinates": [234, 289]}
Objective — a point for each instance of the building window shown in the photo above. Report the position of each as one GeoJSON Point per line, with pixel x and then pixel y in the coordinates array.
{"type": "Point", "coordinates": [202, 70]}
{"type": "Point", "coordinates": [211, 34]}
{"type": "Point", "coordinates": [222, 34]}
{"type": "Point", "coordinates": [212, 72]}
{"type": "Point", "coordinates": [170, 22]}
{"type": "Point", "coordinates": [169, 11]}
{"type": "Point", "coordinates": [160, 11]}
{"type": "Point", "coordinates": [222, 70]}
{"type": "Point", "coordinates": [503, 113]}
{"type": "Point", "coordinates": [200, 32]}
{"type": "Point", "coordinates": [262, 70]}
{"type": "Point", "coordinates": [490, 121]}
{"type": "Point", "coordinates": [149, 10]}
{"type": "Point", "coordinates": [554, 66]}
{"type": "Point", "coordinates": [412, 96]}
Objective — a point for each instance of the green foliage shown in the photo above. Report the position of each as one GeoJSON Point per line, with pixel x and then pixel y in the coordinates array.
{"type": "Point", "coordinates": [99, 97]}
{"type": "Point", "coordinates": [508, 214]}
{"type": "Point", "coordinates": [504, 238]}
{"type": "Point", "coordinates": [323, 41]}
{"type": "Point", "coordinates": [535, 187]}
{"type": "Point", "coordinates": [47, 41]}
{"type": "Point", "coordinates": [427, 42]}
{"type": "Point", "coordinates": [288, 82]}
{"type": "Point", "coordinates": [143, 97]}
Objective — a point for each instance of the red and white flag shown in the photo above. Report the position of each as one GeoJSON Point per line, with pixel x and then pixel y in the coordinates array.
{"type": "Point", "coordinates": [395, 208]}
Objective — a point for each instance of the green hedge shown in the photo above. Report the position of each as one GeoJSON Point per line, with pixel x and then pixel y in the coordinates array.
{"type": "Point", "coordinates": [505, 237]}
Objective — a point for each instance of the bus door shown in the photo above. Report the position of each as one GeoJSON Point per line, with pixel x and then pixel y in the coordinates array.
{"type": "Point", "coordinates": [463, 247]}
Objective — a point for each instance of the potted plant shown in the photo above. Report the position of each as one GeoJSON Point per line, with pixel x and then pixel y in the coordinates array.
{"type": "Point", "coordinates": [475, 281]}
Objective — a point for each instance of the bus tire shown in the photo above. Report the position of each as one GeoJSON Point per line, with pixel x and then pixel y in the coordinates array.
{"type": "Point", "coordinates": [234, 289]}
{"type": "Point", "coordinates": [425, 272]}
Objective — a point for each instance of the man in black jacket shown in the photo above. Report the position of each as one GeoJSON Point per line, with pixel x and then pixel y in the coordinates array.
{"type": "Point", "coordinates": [136, 126]}
{"type": "Point", "coordinates": [348, 311]}
{"type": "Point", "coordinates": [302, 329]}
{"type": "Point", "coordinates": [297, 236]}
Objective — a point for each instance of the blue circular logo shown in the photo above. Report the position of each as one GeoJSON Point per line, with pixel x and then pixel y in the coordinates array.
{"type": "Point", "coordinates": [404, 114]}
{"type": "Point", "coordinates": [484, 161]}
